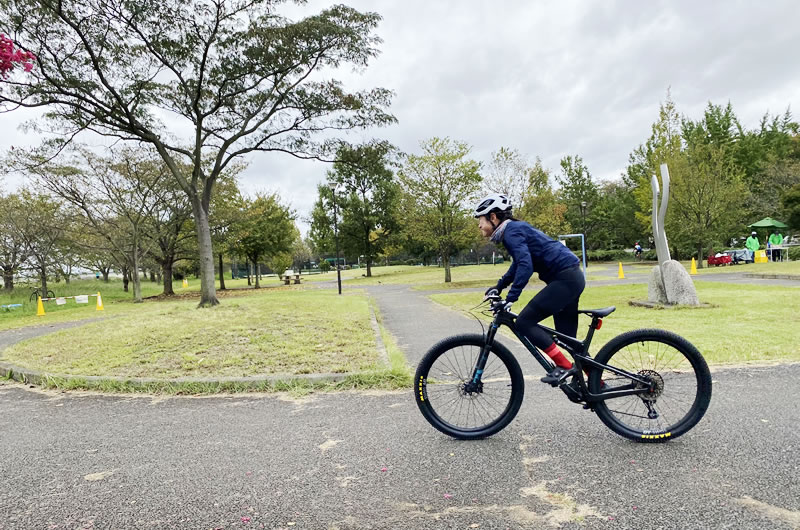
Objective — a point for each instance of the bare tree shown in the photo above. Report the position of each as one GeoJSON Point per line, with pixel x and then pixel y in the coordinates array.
{"type": "Point", "coordinates": [233, 76]}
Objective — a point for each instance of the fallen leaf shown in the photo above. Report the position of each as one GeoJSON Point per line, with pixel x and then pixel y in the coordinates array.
{"type": "Point", "coordinates": [448, 496]}
{"type": "Point", "coordinates": [384, 469]}
{"type": "Point", "coordinates": [245, 519]}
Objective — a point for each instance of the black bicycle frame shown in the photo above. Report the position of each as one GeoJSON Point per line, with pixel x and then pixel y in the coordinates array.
{"type": "Point", "coordinates": [579, 350]}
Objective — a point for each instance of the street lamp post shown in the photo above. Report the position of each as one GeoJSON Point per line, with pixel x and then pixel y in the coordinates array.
{"type": "Point", "coordinates": [583, 216]}
{"type": "Point", "coordinates": [336, 237]}
{"type": "Point", "coordinates": [583, 222]}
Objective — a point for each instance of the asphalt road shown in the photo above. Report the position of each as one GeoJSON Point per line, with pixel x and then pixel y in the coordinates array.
{"type": "Point", "coordinates": [369, 460]}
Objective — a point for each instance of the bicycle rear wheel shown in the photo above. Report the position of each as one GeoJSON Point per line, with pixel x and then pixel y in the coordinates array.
{"type": "Point", "coordinates": [446, 399]}
{"type": "Point", "coordinates": [682, 385]}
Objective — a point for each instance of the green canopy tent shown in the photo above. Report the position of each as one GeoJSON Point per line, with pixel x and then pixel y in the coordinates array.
{"type": "Point", "coordinates": [768, 222]}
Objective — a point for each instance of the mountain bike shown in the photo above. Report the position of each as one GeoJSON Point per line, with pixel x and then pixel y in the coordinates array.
{"type": "Point", "coordinates": [36, 292]}
{"type": "Point", "coordinates": [648, 385]}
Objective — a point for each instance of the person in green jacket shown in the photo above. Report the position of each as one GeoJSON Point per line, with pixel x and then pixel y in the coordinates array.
{"type": "Point", "coordinates": [775, 239]}
{"type": "Point", "coordinates": [752, 245]}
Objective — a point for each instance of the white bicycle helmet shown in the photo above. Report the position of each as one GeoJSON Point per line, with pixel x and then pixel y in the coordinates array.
{"type": "Point", "coordinates": [496, 202]}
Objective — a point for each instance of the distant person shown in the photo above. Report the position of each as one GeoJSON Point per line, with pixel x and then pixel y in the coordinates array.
{"type": "Point", "coordinates": [752, 245]}
{"type": "Point", "coordinates": [775, 239]}
{"type": "Point", "coordinates": [637, 250]}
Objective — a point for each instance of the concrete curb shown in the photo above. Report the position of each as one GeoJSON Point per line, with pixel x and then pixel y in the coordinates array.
{"type": "Point", "coordinates": [35, 377]}
{"type": "Point", "coordinates": [773, 276]}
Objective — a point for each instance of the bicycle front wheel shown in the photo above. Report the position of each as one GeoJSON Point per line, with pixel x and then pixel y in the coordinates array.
{"type": "Point", "coordinates": [454, 405]}
{"type": "Point", "coordinates": [678, 373]}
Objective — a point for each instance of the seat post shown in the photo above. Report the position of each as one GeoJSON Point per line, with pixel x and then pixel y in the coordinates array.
{"type": "Point", "coordinates": [588, 340]}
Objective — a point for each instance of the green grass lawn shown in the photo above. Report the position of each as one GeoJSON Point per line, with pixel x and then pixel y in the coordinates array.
{"type": "Point", "coordinates": [273, 332]}
{"type": "Point", "coordinates": [746, 323]}
{"type": "Point", "coordinates": [115, 300]}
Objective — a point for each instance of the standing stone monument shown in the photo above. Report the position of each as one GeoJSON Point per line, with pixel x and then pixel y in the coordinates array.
{"type": "Point", "coordinates": [669, 282]}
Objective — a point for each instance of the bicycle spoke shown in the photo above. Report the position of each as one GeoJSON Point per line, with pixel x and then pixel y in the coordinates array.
{"type": "Point", "coordinates": [675, 386]}
{"type": "Point", "coordinates": [447, 377]}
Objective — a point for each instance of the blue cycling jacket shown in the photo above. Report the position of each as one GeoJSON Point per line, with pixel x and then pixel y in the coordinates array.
{"type": "Point", "coordinates": [532, 251]}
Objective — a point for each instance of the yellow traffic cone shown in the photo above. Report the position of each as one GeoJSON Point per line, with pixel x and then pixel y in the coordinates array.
{"type": "Point", "coordinates": [39, 307]}
{"type": "Point", "coordinates": [99, 302]}
{"type": "Point", "coordinates": [185, 283]}
{"type": "Point", "coordinates": [621, 275]}
{"type": "Point", "coordinates": [694, 267]}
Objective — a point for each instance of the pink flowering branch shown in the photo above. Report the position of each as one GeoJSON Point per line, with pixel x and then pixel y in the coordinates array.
{"type": "Point", "coordinates": [10, 57]}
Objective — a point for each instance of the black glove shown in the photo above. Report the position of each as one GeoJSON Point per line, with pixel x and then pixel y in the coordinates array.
{"type": "Point", "coordinates": [492, 291]}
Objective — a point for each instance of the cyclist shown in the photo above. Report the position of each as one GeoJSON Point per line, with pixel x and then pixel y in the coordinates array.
{"type": "Point", "coordinates": [637, 250]}
{"type": "Point", "coordinates": [533, 251]}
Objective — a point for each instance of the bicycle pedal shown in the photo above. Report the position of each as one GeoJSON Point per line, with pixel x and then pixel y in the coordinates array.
{"type": "Point", "coordinates": [556, 376]}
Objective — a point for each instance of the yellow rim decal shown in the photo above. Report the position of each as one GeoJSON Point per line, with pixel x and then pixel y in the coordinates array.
{"type": "Point", "coordinates": [656, 436]}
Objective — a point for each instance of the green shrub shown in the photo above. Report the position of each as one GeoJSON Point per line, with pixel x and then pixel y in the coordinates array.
{"type": "Point", "coordinates": [794, 253]}
{"type": "Point", "coordinates": [325, 265]}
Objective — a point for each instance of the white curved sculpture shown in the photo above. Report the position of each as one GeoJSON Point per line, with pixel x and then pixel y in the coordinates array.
{"type": "Point", "coordinates": [669, 281]}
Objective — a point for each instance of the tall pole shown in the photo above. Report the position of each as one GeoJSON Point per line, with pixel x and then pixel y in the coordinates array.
{"type": "Point", "coordinates": [336, 237]}
{"type": "Point", "coordinates": [583, 215]}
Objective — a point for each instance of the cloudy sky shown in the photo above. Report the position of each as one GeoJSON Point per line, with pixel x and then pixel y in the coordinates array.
{"type": "Point", "coordinates": [549, 78]}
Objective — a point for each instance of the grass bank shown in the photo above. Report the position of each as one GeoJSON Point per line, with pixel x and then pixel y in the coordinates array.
{"type": "Point", "coordinates": [746, 323]}
{"type": "Point", "coordinates": [274, 333]}
{"type": "Point", "coordinates": [115, 300]}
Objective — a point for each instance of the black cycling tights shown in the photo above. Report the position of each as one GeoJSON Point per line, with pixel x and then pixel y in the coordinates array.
{"type": "Point", "coordinates": [559, 298]}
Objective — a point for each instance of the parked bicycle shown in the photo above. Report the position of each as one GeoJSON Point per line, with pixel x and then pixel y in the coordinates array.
{"type": "Point", "coordinates": [36, 292]}
{"type": "Point", "coordinates": [648, 385]}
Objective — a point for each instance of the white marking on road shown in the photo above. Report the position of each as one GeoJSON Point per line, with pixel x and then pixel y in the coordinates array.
{"type": "Point", "coordinates": [93, 477]}
{"type": "Point", "coordinates": [775, 513]}
{"type": "Point", "coordinates": [327, 445]}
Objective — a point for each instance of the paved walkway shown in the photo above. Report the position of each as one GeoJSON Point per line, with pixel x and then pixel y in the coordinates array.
{"type": "Point", "coordinates": [368, 460]}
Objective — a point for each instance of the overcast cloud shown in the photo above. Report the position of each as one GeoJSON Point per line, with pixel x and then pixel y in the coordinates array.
{"type": "Point", "coordinates": [549, 78]}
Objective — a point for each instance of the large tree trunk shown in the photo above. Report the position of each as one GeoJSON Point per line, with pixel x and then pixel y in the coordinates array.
{"type": "Point", "coordinates": [221, 274]}
{"type": "Point", "coordinates": [125, 279]}
{"type": "Point", "coordinates": [105, 274]}
{"type": "Point", "coordinates": [208, 288]}
{"type": "Point", "coordinates": [43, 279]}
{"type": "Point", "coordinates": [446, 263]}
{"type": "Point", "coordinates": [152, 276]}
{"type": "Point", "coordinates": [699, 255]}
{"type": "Point", "coordinates": [8, 281]}
{"type": "Point", "coordinates": [166, 270]}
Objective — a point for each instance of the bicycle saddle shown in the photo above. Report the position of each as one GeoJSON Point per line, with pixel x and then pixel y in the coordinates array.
{"type": "Point", "coordinates": [600, 313]}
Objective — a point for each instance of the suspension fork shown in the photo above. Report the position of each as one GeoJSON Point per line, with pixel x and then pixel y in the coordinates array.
{"type": "Point", "coordinates": [484, 356]}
